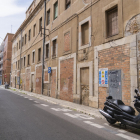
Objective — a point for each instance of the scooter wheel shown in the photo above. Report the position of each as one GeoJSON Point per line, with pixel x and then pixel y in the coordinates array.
{"type": "Point", "coordinates": [111, 121]}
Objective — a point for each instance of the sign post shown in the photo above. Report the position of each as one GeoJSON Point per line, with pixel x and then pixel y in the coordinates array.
{"type": "Point", "coordinates": [103, 77]}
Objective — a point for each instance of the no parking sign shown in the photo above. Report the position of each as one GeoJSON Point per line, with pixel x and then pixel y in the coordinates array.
{"type": "Point", "coordinates": [103, 77]}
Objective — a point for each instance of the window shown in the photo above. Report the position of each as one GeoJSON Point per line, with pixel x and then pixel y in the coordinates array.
{"type": "Point", "coordinates": [22, 41]}
{"type": "Point", "coordinates": [21, 62]}
{"type": "Point", "coordinates": [48, 17]}
{"type": "Point", "coordinates": [47, 50]}
{"type": "Point", "coordinates": [39, 54]}
{"type": "Point", "coordinates": [19, 44]}
{"type": "Point", "coordinates": [24, 61]}
{"type": "Point", "coordinates": [85, 33]}
{"type": "Point", "coordinates": [112, 22]}
{"type": "Point", "coordinates": [33, 57]}
{"type": "Point", "coordinates": [40, 24]}
{"type": "Point", "coordinates": [16, 64]}
{"type": "Point", "coordinates": [29, 59]}
{"type": "Point", "coordinates": [34, 30]}
{"type": "Point", "coordinates": [29, 34]}
{"type": "Point", "coordinates": [68, 2]}
{"type": "Point", "coordinates": [54, 48]}
{"type": "Point", "coordinates": [56, 10]}
{"type": "Point", "coordinates": [25, 39]}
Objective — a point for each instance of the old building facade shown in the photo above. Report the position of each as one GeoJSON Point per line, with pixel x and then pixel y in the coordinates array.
{"type": "Point", "coordinates": [82, 37]}
{"type": "Point", "coordinates": [7, 55]}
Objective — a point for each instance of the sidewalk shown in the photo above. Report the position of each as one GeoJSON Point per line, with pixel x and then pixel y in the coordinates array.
{"type": "Point", "coordinates": [80, 108]}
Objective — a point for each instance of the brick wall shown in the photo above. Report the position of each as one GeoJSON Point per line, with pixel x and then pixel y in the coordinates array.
{"type": "Point", "coordinates": [46, 76]}
{"type": "Point", "coordinates": [116, 58]}
{"type": "Point", "coordinates": [53, 84]}
{"type": "Point", "coordinates": [27, 82]}
{"type": "Point", "coordinates": [66, 79]}
{"type": "Point", "coordinates": [38, 79]}
{"type": "Point", "coordinates": [67, 42]}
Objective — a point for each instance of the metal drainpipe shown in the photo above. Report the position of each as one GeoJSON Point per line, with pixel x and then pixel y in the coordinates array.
{"type": "Point", "coordinates": [43, 47]}
{"type": "Point", "coordinates": [20, 58]}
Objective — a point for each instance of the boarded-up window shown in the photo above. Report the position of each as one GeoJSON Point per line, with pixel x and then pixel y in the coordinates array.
{"type": "Point", "coordinates": [112, 22]}
{"type": "Point", "coordinates": [85, 33]}
{"type": "Point", "coordinates": [56, 10]}
{"type": "Point", "coordinates": [68, 2]}
{"type": "Point", "coordinates": [47, 50]}
{"type": "Point", "coordinates": [33, 57]}
{"type": "Point", "coordinates": [34, 32]}
{"type": "Point", "coordinates": [48, 17]}
{"type": "Point", "coordinates": [54, 48]}
{"type": "Point", "coordinates": [39, 54]}
{"type": "Point", "coordinates": [29, 59]}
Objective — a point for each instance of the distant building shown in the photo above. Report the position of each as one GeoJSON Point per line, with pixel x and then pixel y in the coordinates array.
{"type": "Point", "coordinates": [1, 62]}
{"type": "Point", "coordinates": [7, 54]}
{"type": "Point", "coordinates": [92, 48]}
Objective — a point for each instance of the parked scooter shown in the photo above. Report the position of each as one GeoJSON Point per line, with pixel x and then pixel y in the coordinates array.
{"type": "Point", "coordinates": [115, 110]}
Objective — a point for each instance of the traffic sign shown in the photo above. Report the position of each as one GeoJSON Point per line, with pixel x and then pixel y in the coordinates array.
{"type": "Point", "coordinates": [49, 70]}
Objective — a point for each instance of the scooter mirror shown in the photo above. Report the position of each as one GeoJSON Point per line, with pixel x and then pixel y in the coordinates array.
{"type": "Point", "coordinates": [136, 91]}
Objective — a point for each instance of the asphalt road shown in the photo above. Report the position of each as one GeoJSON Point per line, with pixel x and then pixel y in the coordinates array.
{"type": "Point", "coordinates": [27, 118]}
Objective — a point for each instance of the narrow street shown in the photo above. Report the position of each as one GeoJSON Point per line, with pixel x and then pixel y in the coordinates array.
{"type": "Point", "coordinates": [28, 118]}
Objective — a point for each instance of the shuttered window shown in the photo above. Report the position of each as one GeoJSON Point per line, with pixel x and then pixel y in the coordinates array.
{"type": "Point", "coordinates": [56, 10]}
{"type": "Point", "coordinates": [112, 22]}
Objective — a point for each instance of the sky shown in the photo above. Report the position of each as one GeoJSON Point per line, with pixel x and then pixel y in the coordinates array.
{"type": "Point", "coordinates": [12, 14]}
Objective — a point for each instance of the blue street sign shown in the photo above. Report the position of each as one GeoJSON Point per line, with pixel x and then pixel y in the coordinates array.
{"type": "Point", "coordinates": [49, 69]}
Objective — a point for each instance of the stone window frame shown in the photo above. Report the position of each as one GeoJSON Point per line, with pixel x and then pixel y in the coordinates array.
{"type": "Point", "coordinates": [68, 30]}
{"type": "Point", "coordinates": [30, 76]}
{"type": "Point", "coordinates": [74, 71]}
{"type": "Point", "coordinates": [88, 19]}
{"type": "Point", "coordinates": [31, 80]}
{"type": "Point", "coordinates": [90, 66]}
{"type": "Point", "coordinates": [54, 68]}
{"type": "Point", "coordinates": [55, 38]}
{"type": "Point", "coordinates": [32, 57]}
{"type": "Point", "coordinates": [111, 5]}
{"type": "Point", "coordinates": [46, 82]}
{"type": "Point", "coordinates": [133, 64]}
{"type": "Point", "coordinates": [48, 42]}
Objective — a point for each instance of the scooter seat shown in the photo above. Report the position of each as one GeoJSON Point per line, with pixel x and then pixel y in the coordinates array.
{"type": "Point", "coordinates": [123, 107]}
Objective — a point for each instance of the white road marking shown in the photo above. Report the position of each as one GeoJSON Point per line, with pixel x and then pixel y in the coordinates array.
{"type": "Point", "coordinates": [122, 131]}
{"type": "Point", "coordinates": [82, 116]}
{"type": "Point", "coordinates": [70, 115]}
{"type": "Point", "coordinates": [94, 124]}
{"type": "Point", "coordinates": [126, 137]}
{"type": "Point", "coordinates": [44, 105]}
{"type": "Point", "coordinates": [36, 102]}
{"type": "Point", "coordinates": [59, 109]}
